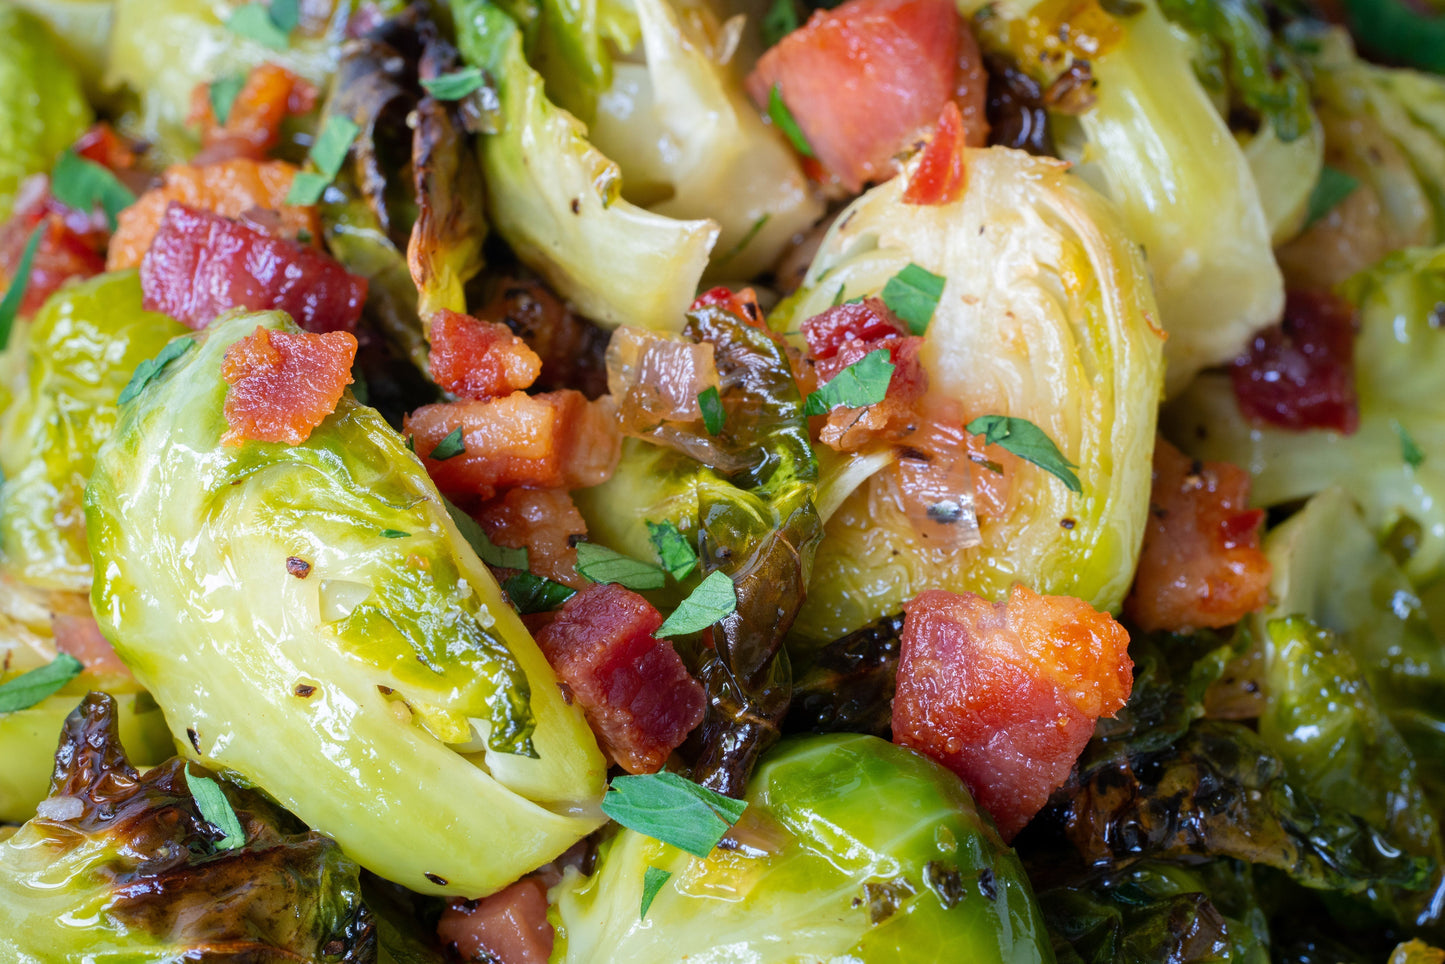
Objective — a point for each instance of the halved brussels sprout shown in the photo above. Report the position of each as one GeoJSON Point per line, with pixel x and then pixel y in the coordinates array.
{"type": "Point", "coordinates": [1154, 142]}
{"type": "Point", "coordinates": [82, 27]}
{"type": "Point", "coordinates": [77, 354]}
{"type": "Point", "coordinates": [1399, 377]}
{"type": "Point", "coordinates": [557, 200]}
{"type": "Point", "coordinates": [310, 618]}
{"type": "Point", "coordinates": [1046, 315]}
{"type": "Point", "coordinates": [851, 849]}
{"type": "Point", "coordinates": [691, 145]}
{"type": "Point", "coordinates": [42, 108]}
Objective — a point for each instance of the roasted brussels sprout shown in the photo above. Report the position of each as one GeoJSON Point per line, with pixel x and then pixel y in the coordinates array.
{"type": "Point", "coordinates": [850, 849]}
{"type": "Point", "coordinates": [42, 107]}
{"type": "Point", "coordinates": [310, 618]}
{"type": "Point", "coordinates": [1046, 315]}
{"type": "Point", "coordinates": [77, 354]}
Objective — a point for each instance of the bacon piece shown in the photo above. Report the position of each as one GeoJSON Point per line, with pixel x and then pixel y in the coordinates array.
{"type": "Point", "coordinates": [557, 440]}
{"type": "Point", "coordinates": [479, 359]}
{"type": "Point", "coordinates": [638, 696]}
{"type": "Point", "coordinates": [231, 188]}
{"type": "Point", "coordinates": [79, 635]}
{"type": "Point", "coordinates": [940, 176]}
{"type": "Point", "coordinates": [742, 303]}
{"type": "Point", "coordinates": [509, 927]}
{"type": "Point", "coordinates": [1201, 565]}
{"type": "Point", "coordinates": [201, 264]}
{"type": "Point", "coordinates": [1300, 374]}
{"type": "Point", "coordinates": [283, 385]}
{"type": "Point", "coordinates": [866, 320]}
{"type": "Point", "coordinates": [864, 80]}
{"type": "Point", "coordinates": [269, 95]}
{"type": "Point", "coordinates": [1006, 694]}
{"type": "Point", "coordinates": [543, 521]}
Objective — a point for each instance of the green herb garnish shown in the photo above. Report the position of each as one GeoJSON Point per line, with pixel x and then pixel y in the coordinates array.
{"type": "Point", "coordinates": [714, 598]}
{"type": "Point", "coordinates": [673, 550]}
{"type": "Point", "coordinates": [912, 294]}
{"type": "Point", "coordinates": [216, 810]}
{"type": "Point", "coordinates": [865, 382]}
{"type": "Point", "coordinates": [673, 809]}
{"type": "Point", "coordinates": [147, 370]}
{"type": "Point", "coordinates": [1026, 440]}
{"type": "Point", "coordinates": [27, 689]}
{"type": "Point", "coordinates": [601, 564]}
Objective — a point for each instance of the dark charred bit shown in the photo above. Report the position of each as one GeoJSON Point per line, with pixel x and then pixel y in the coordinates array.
{"type": "Point", "coordinates": [566, 690]}
{"type": "Point", "coordinates": [947, 511]}
{"type": "Point", "coordinates": [572, 349]}
{"type": "Point", "coordinates": [850, 684]}
{"type": "Point", "coordinates": [886, 897]}
{"type": "Point", "coordinates": [945, 881]}
{"type": "Point", "coordinates": [1068, 523]}
{"type": "Point", "coordinates": [304, 690]}
{"type": "Point", "coordinates": [1017, 116]}
{"type": "Point", "coordinates": [439, 881]}
{"type": "Point", "coordinates": [986, 884]}
{"type": "Point", "coordinates": [1073, 91]}
{"type": "Point", "coordinates": [195, 739]}
{"type": "Point", "coordinates": [576, 205]}
{"type": "Point", "coordinates": [298, 567]}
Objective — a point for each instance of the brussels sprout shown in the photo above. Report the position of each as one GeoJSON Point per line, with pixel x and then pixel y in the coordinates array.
{"type": "Point", "coordinates": [120, 866]}
{"type": "Point", "coordinates": [851, 849]}
{"type": "Point", "coordinates": [556, 199]}
{"type": "Point", "coordinates": [78, 353]}
{"type": "Point", "coordinates": [570, 43]}
{"type": "Point", "coordinates": [82, 28]}
{"type": "Point", "coordinates": [310, 618]}
{"type": "Point", "coordinates": [161, 49]}
{"type": "Point", "coordinates": [1077, 356]}
{"type": "Point", "coordinates": [1154, 142]}
{"type": "Point", "coordinates": [1399, 375]}
{"type": "Point", "coordinates": [691, 145]}
{"type": "Point", "coordinates": [1285, 172]}
{"type": "Point", "coordinates": [42, 108]}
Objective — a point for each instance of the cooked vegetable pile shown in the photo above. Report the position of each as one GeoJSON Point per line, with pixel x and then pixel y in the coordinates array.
{"type": "Point", "coordinates": [747, 481]}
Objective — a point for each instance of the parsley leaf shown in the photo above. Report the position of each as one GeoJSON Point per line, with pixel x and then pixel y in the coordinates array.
{"type": "Point", "coordinates": [27, 689]}
{"type": "Point", "coordinates": [1333, 187]}
{"type": "Point", "coordinates": [223, 92]}
{"type": "Point", "coordinates": [601, 564]}
{"type": "Point", "coordinates": [1410, 450]}
{"type": "Point", "coordinates": [673, 550]}
{"type": "Point", "coordinates": [147, 370]}
{"type": "Point", "coordinates": [394, 534]}
{"type": "Point", "coordinates": [449, 447]}
{"type": "Point", "coordinates": [82, 184]}
{"type": "Point", "coordinates": [486, 550]}
{"type": "Point", "coordinates": [456, 84]}
{"type": "Point", "coordinates": [714, 598]}
{"type": "Point", "coordinates": [652, 882]}
{"type": "Point", "coordinates": [783, 118]}
{"type": "Point", "coordinates": [912, 294]}
{"type": "Point", "coordinates": [780, 20]}
{"type": "Point", "coordinates": [216, 810]}
{"type": "Point", "coordinates": [1026, 440]}
{"type": "Point", "coordinates": [10, 304]}
{"type": "Point", "coordinates": [712, 410]}
{"type": "Point", "coordinates": [328, 153]}
{"type": "Point", "coordinates": [673, 809]}
{"type": "Point", "coordinates": [865, 382]}
{"type": "Point", "coordinates": [256, 22]}
{"type": "Point", "coordinates": [531, 593]}
{"type": "Point", "coordinates": [285, 14]}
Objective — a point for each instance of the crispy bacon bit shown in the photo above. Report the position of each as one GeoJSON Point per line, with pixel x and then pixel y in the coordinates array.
{"type": "Point", "coordinates": [571, 348]}
{"type": "Point", "coordinates": [657, 377]}
{"type": "Point", "coordinates": [202, 264]}
{"type": "Point", "coordinates": [1201, 565]}
{"type": "Point", "coordinates": [270, 94]}
{"type": "Point", "coordinates": [557, 440]}
{"type": "Point", "coordinates": [638, 696]}
{"type": "Point", "coordinates": [283, 385]}
{"type": "Point", "coordinates": [479, 359]}
{"type": "Point", "coordinates": [864, 79]}
{"type": "Point", "coordinates": [509, 927]}
{"type": "Point", "coordinates": [231, 188]}
{"type": "Point", "coordinates": [940, 176]}
{"type": "Point", "coordinates": [742, 303]}
{"type": "Point", "coordinates": [1006, 694]}
{"type": "Point", "coordinates": [844, 335]}
{"type": "Point", "coordinates": [80, 636]}
{"type": "Point", "coordinates": [544, 521]}
{"type": "Point", "coordinates": [1300, 374]}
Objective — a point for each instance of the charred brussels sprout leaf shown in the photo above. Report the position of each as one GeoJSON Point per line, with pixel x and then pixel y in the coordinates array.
{"type": "Point", "coordinates": [124, 866]}
{"type": "Point", "coordinates": [1078, 359]}
{"type": "Point", "coordinates": [42, 108]}
{"type": "Point", "coordinates": [850, 684]}
{"type": "Point", "coordinates": [79, 352]}
{"type": "Point", "coordinates": [389, 650]}
{"type": "Point", "coordinates": [816, 871]}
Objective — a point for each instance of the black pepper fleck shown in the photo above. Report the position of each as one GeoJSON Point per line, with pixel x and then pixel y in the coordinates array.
{"type": "Point", "coordinates": [439, 881]}
{"type": "Point", "coordinates": [194, 738]}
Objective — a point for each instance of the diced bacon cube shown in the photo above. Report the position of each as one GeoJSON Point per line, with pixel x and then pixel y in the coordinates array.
{"type": "Point", "coordinates": [283, 385]}
{"type": "Point", "coordinates": [865, 320]}
{"type": "Point", "coordinates": [1201, 565]}
{"type": "Point", "coordinates": [201, 264]}
{"type": "Point", "coordinates": [1300, 374]}
{"type": "Point", "coordinates": [231, 188]}
{"type": "Point", "coordinates": [940, 176]}
{"type": "Point", "coordinates": [543, 521]}
{"type": "Point", "coordinates": [638, 696]}
{"type": "Point", "coordinates": [557, 440]}
{"type": "Point", "coordinates": [1006, 694]}
{"type": "Point", "coordinates": [509, 927]}
{"type": "Point", "coordinates": [479, 359]}
{"type": "Point", "coordinates": [269, 95]}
